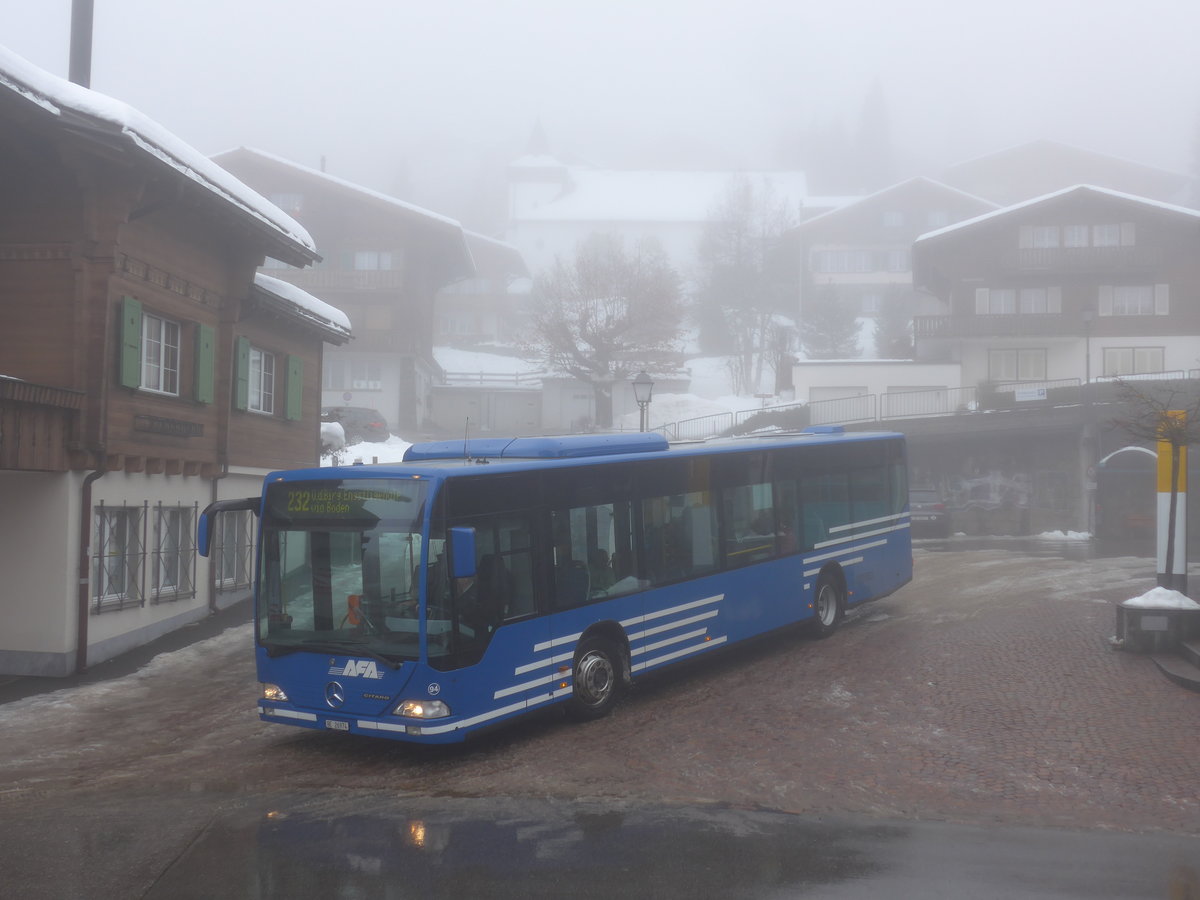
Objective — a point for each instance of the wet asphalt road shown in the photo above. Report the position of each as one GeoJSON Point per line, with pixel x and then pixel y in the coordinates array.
{"type": "Point", "coordinates": [971, 737]}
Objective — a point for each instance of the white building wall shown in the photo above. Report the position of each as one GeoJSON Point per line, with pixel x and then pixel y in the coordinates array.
{"type": "Point", "coordinates": [39, 527]}
{"type": "Point", "coordinates": [825, 379]}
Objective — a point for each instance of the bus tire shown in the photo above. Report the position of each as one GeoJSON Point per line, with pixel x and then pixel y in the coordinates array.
{"type": "Point", "coordinates": [829, 605]}
{"type": "Point", "coordinates": [596, 679]}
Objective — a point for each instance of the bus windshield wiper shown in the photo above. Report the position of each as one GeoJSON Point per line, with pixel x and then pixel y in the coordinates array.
{"type": "Point", "coordinates": [359, 648]}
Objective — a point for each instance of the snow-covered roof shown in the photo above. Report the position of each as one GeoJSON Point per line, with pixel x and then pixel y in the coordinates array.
{"type": "Point", "coordinates": [918, 179]}
{"type": "Point", "coordinates": [1008, 210]}
{"type": "Point", "coordinates": [62, 98]}
{"type": "Point", "coordinates": [1043, 144]}
{"type": "Point", "coordinates": [608, 195]}
{"type": "Point", "coordinates": [343, 183]}
{"type": "Point", "coordinates": [307, 306]}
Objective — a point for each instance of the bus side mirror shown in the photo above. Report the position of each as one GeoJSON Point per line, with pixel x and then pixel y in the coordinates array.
{"type": "Point", "coordinates": [462, 552]}
{"type": "Point", "coordinates": [204, 529]}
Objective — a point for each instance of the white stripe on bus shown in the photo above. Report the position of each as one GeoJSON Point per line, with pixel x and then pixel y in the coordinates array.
{"type": "Point", "coordinates": [537, 682]}
{"type": "Point", "coordinates": [847, 527]}
{"type": "Point", "coordinates": [836, 553]}
{"type": "Point", "coordinates": [857, 537]}
{"type": "Point", "coordinates": [844, 562]}
{"type": "Point", "coordinates": [658, 660]}
{"type": "Point", "coordinates": [668, 626]}
{"type": "Point", "coordinates": [679, 638]}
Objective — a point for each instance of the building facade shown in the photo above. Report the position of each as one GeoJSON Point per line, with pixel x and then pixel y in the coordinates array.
{"type": "Point", "coordinates": [145, 373]}
{"type": "Point", "coordinates": [384, 262]}
{"type": "Point", "coordinates": [1078, 284]}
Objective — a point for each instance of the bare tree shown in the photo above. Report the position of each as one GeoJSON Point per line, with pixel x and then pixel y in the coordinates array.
{"type": "Point", "coordinates": [1167, 412]}
{"type": "Point", "coordinates": [742, 282]}
{"type": "Point", "coordinates": [606, 314]}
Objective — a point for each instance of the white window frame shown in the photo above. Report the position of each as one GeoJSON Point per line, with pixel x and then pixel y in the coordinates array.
{"type": "Point", "coordinates": [372, 260]}
{"type": "Point", "coordinates": [1045, 237]}
{"type": "Point", "coordinates": [160, 355]}
{"type": "Point", "coordinates": [261, 396]}
{"type": "Point", "coordinates": [1075, 235]}
{"type": "Point", "coordinates": [174, 552]}
{"type": "Point", "coordinates": [1133, 360]}
{"type": "Point", "coordinates": [117, 559]}
{"type": "Point", "coordinates": [1017, 364]}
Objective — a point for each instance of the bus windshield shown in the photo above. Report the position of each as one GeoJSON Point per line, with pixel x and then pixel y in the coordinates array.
{"type": "Point", "coordinates": [340, 567]}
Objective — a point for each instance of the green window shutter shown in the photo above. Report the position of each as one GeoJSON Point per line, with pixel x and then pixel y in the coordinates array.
{"type": "Point", "coordinates": [206, 337]}
{"type": "Point", "coordinates": [295, 387]}
{"type": "Point", "coordinates": [131, 342]}
{"type": "Point", "coordinates": [241, 374]}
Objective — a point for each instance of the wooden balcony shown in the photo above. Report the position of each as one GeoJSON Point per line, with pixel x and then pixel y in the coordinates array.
{"type": "Point", "coordinates": [317, 280]}
{"type": "Point", "coordinates": [1084, 259]}
{"type": "Point", "coordinates": [973, 326]}
{"type": "Point", "coordinates": [37, 425]}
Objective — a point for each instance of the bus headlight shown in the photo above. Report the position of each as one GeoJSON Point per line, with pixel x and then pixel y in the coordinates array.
{"type": "Point", "coordinates": [423, 709]}
{"type": "Point", "coordinates": [273, 692]}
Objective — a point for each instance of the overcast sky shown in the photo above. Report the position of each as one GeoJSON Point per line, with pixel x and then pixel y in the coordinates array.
{"type": "Point", "coordinates": [447, 91]}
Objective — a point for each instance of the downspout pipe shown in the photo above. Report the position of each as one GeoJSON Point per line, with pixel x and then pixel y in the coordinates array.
{"type": "Point", "coordinates": [212, 570]}
{"type": "Point", "coordinates": [83, 600]}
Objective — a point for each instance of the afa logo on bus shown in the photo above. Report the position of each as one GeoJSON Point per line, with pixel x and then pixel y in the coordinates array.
{"type": "Point", "coordinates": [356, 668]}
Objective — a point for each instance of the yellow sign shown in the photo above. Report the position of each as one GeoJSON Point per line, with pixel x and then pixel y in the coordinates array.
{"type": "Point", "coordinates": [1164, 460]}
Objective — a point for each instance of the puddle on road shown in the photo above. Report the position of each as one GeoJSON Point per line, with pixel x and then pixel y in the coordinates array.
{"type": "Point", "coordinates": [409, 851]}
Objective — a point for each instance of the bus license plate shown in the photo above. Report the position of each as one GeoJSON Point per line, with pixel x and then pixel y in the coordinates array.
{"type": "Point", "coordinates": [337, 725]}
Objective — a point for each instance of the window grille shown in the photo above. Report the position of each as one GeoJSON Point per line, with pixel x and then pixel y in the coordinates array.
{"type": "Point", "coordinates": [174, 554]}
{"type": "Point", "coordinates": [118, 563]}
{"type": "Point", "coordinates": [233, 558]}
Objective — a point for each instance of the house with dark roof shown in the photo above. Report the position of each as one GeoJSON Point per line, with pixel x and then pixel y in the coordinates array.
{"type": "Point", "coordinates": [145, 371]}
{"type": "Point", "coordinates": [1036, 168]}
{"type": "Point", "coordinates": [384, 262]}
{"type": "Point", "coordinates": [1080, 283]}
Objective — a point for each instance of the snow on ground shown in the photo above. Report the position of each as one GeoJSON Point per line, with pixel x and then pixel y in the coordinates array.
{"type": "Point", "coordinates": [1065, 536]}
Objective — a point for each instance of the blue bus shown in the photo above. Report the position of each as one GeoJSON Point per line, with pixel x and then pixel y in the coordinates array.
{"type": "Point", "coordinates": [477, 581]}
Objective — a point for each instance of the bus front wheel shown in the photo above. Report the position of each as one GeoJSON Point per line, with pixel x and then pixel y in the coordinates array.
{"type": "Point", "coordinates": [596, 679]}
{"type": "Point", "coordinates": [829, 606]}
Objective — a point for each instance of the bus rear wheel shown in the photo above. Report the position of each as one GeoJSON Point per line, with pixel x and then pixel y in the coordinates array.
{"type": "Point", "coordinates": [829, 606]}
{"type": "Point", "coordinates": [596, 679]}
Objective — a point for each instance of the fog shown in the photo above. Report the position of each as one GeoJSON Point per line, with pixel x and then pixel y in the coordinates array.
{"type": "Point", "coordinates": [428, 101]}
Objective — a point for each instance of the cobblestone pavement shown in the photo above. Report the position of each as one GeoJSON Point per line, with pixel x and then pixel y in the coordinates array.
{"type": "Point", "coordinates": [984, 692]}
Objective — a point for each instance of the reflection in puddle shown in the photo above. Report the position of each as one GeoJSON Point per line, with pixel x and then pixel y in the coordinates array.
{"type": "Point", "coordinates": [394, 851]}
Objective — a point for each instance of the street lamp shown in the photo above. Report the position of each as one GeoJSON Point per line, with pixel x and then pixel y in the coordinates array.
{"type": "Point", "coordinates": [643, 387]}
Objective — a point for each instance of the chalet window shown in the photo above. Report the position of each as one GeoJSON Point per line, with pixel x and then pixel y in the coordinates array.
{"type": "Point", "coordinates": [1133, 360]}
{"type": "Point", "coordinates": [1075, 235]}
{"type": "Point", "coordinates": [256, 381]}
{"type": "Point", "coordinates": [1045, 236]}
{"type": "Point", "coordinates": [897, 261]}
{"type": "Point", "coordinates": [150, 353]}
{"type": "Point", "coordinates": [160, 355]}
{"type": "Point", "coordinates": [1135, 300]}
{"type": "Point", "coordinates": [893, 218]}
{"type": "Point", "coordinates": [372, 259]}
{"type": "Point", "coordinates": [174, 553]}
{"type": "Point", "coordinates": [1040, 300]}
{"type": "Point", "coordinates": [1113, 235]}
{"type": "Point", "coordinates": [1017, 365]}
{"type": "Point", "coordinates": [290, 202]}
{"type": "Point", "coordinates": [995, 301]}
{"type": "Point", "coordinates": [262, 381]}
{"type": "Point", "coordinates": [117, 563]}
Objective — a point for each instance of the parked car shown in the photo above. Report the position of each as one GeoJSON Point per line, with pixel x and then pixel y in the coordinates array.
{"type": "Point", "coordinates": [929, 514]}
{"type": "Point", "coordinates": [358, 422]}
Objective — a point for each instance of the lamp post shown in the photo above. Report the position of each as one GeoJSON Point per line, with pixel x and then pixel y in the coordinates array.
{"type": "Point", "coordinates": [643, 387]}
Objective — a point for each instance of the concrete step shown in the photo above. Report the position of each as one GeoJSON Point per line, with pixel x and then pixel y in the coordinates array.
{"type": "Point", "coordinates": [1179, 669]}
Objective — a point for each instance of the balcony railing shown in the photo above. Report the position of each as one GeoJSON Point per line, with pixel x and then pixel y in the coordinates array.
{"type": "Point", "coordinates": [1083, 259]}
{"type": "Point", "coordinates": [1025, 325]}
{"type": "Point", "coordinates": [341, 279]}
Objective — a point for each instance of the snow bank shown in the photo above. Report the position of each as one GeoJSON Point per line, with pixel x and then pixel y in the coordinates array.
{"type": "Point", "coordinates": [1065, 536]}
{"type": "Point", "coordinates": [389, 451]}
{"type": "Point", "coordinates": [1161, 598]}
